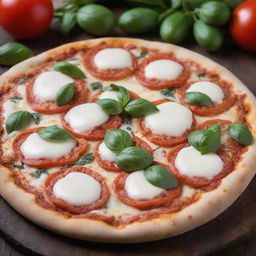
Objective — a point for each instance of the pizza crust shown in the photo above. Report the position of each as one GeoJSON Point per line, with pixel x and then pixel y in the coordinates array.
{"type": "Point", "coordinates": [210, 205]}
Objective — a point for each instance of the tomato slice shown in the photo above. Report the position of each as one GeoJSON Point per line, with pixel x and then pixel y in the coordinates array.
{"type": "Point", "coordinates": [215, 109]}
{"type": "Point", "coordinates": [106, 74]}
{"type": "Point", "coordinates": [69, 158]}
{"type": "Point", "coordinates": [162, 139]}
{"type": "Point", "coordinates": [198, 182]}
{"type": "Point", "coordinates": [54, 177]}
{"type": "Point", "coordinates": [157, 84]}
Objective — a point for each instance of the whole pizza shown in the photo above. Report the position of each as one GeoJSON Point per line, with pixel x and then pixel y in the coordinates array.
{"type": "Point", "coordinates": [124, 140]}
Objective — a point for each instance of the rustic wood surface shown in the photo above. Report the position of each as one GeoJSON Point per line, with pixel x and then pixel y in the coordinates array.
{"type": "Point", "coordinates": [232, 233]}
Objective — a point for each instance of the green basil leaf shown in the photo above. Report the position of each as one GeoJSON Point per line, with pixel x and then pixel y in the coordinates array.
{"type": "Point", "coordinates": [15, 99]}
{"type": "Point", "coordinates": [37, 117]}
{"type": "Point", "coordinates": [65, 94]}
{"type": "Point", "coordinates": [13, 53]}
{"type": "Point", "coordinates": [240, 133]}
{"type": "Point", "coordinates": [124, 96]}
{"type": "Point", "coordinates": [69, 69]}
{"type": "Point", "coordinates": [55, 134]}
{"type": "Point", "coordinates": [117, 140]}
{"type": "Point", "coordinates": [142, 55]}
{"type": "Point", "coordinates": [68, 22]}
{"type": "Point", "coordinates": [96, 86]}
{"type": "Point", "coordinates": [85, 159]}
{"type": "Point", "coordinates": [133, 159]}
{"type": "Point", "coordinates": [160, 177]}
{"type": "Point", "coordinates": [111, 107]}
{"type": "Point", "coordinates": [207, 140]}
{"type": "Point", "coordinates": [37, 173]}
{"type": "Point", "coordinates": [168, 92]}
{"type": "Point", "coordinates": [198, 99]}
{"type": "Point", "coordinates": [17, 121]}
{"type": "Point", "coordinates": [140, 107]}
{"type": "Point", "coordinates": [111, 87]}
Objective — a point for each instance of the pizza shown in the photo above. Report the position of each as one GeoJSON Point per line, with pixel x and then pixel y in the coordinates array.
{"type": "Point", "coordinates": [124, 140]}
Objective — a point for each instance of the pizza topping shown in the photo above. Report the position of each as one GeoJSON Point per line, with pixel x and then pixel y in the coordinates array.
{"type": "Point", "coordinates": [54, 134]}
{"type": "Point", "coordinates": [240, 133]}
{"type": "Point", "coordinates": [113, 95]}
{"type": "Point", "coordinates": [105, 153]}
{"type": "Point", "coordinates": [111, 107]}
{"type": "Point", "coordinates": [198, 99]}
{"type": "Point", "coordinates": [69, 69]}
{"type": "Point", "coordinates": [65, 94]}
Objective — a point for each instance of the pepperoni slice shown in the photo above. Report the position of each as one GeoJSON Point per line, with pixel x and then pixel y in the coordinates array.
{"type": "Point", "coordinates": [198, 182]}
{"type": "Point", "coordinates": [69, 158]}
{"type": "Point", "coordinates": [106, 74]}
{"type": "Point", "coordinates": [98, 132]}
{"type": "Point", "coordinates": [54, 177]}
{"type": "Point", "coordinates": [162, 139]}
{"type": "Point", "coordinates": [110, 165]}
{"type": "Point", "coordinates": [216, 108]}
{"type": "Point", "coordinates": [50, 107]}
{"type": "Point", "coordinates": [158, 84]}
{"type": "Point", "coordinates": [165, 198]}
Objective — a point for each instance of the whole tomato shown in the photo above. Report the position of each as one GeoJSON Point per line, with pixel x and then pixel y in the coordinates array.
{"type": "Point", "coordinates": [26, 19]}
{"type": "Point", "coordinates": [243, 25]}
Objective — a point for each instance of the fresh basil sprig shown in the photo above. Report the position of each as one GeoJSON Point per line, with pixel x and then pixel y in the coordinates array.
{"type": "Point", "coordinates": [207, 140]}
{"type": "Point", "coordinates": [111, 107]}
{"type": "Point", "coordinates": [65, 94]}
{"type": "Point", "coordinates": [133, 159]}
{"type": "Point", "coordinates": [123, 95]}
{"type": "Point", "coordinates": [159, 176]}
{"type": "Point", "coordinates": [13, 53]}
{"type": "Point", "coordinates": [117, 140]}
{"type": "Point", "coordinates": [198, 99]}
{"type": "Point", "coordinates": [240, 133]}
{"type": "Point", "coordinates": [140, 107]}
{"type": "Point", "coordinates": [69, 69]}
{"type": "Point", "coordinates": [17, 121]}
{"type": "Point", "coordinates": [55, 134]}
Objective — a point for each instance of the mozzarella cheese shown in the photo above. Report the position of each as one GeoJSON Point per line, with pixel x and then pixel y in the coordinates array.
{"type": "Point", "coordinates": [113, 58]}
{"type": "Point", "coordinates": [172, 119]}
{"type": "Point", "coordinates": [163, 69]}
{"type": "Point", "coordinates": [106, 153]}
{"type": "Point", "coordinates": [212, 90]}
{"type": "Point", "coordinates": [85, 117]}
{"type": "Point", "coordinates": [36, 147]}
{"type": "Point", "coordinates": [109, 95]}
{"type": "Point", "coordinates": [137, 187]}
{"type": "Point", "coordinates": [191, 163]}
{"type": "Point", "coordinates": [77, 189]}
{"type": "Point", "coordinates": [48, 84]}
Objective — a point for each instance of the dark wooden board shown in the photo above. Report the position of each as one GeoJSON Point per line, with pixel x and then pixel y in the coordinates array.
{"type": "Point", "coordinates": [235, 223]}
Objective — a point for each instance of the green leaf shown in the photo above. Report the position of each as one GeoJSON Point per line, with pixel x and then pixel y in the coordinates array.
{"type": "Point", "coordinates": [133, 159]}
{"type": "Point", "coordinates": [37, 117]}
{"type": "Point", "coordinates": [96, 86]}
{"type": "Point", "coordinates": [142, 55]}
{"type": "Point", "coordinates": [160, 177]}
{"type": "Point", "coordinates": [17, 121]}
{"type": "Point", "coordinates": [140, 107]}
{"type": "Point", "coordinates": [68, 22]}
{"type": "Point", "coordinates": [159, 4]}
{"type": "Point", "coordinates": [69, 69]}
{"type": "Point", "coordinates": [111, 107]}
{"type": "Point", "coordinates": [65, 94]}
{"type": "Point", "coordinates": [240, 133]}
{"type": "Point", "coordinates": [37, 173]}
{"type": "Point", "coordinates": [176, 4]}
{"type": "Point", "coordinates": [15, 99]}
{"type": "Point", "coordinates": [117, 140]}
{"type": "Point", "coordinates": [55, 134]}
{"type": "Point", "coordinates": [168, 92]}
{"type": "Point", "coordinates": [206, 141]}
{"type": "Point", "coordinates": [13, 53]}
{"type": "Point", "coordinates": [85, 159]}
{"type": "Point", "coordinates": [198, 99]}
{"type": "Point", "coordinates": [124, 96]}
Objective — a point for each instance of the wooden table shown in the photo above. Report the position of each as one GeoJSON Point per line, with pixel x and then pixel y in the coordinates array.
{"type": "Point", "coordinates": [242, 63]}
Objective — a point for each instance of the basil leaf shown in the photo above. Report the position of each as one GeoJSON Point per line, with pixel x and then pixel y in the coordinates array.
{"type": "Point", "coordinates": [37, 173]}
{"type": "Point", "coordinates": [111, 87]}
{"type": "Point", "coordinates": [198, 99]}
{"type": "Point", "coordinates": [96, 86]}
{"type": "Point", "coordinates": [133, 159]}
{"type": "Point", "coordinates": [85, 159]}
{"type": "Point", "coordinates": [206, 141]}
{"type": "Point", "coordinates": [37, 117]}
{"type": "Point", "coordinates": [17, 121]}
{"type": "Point", "coordinates": [140, 107]}
{"type": "Point", "coordinates": [142, 55]}
{"type": "Point", "coordinates": [15, 99]}
{"type": "Point", "coordinates": [240, 133]}
{"type": "Point", "coordinates": [69, 69]}
{"type": "Point", "coordinates": [65, 94]}
{"type": "Point", "coordinates": [168, 92]}
{"type": "Point", "coordinates": [117, 140]}
{"type": "Point", "coordinates": [68, 22]}
{"type": "Point", "coordinates": [124, 96]}
{"type": "Point", "coordinates": [111, 107]}
{"type": "Point", "coordinates": [54, 134]}
{"type": "Point", "coordinates": [13, 53]}
{"type": "Point", "coordinates": [160, 177]}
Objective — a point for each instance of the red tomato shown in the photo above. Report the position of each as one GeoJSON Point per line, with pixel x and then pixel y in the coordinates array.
{"type": "Point", "coordinates": [26, 19]}
{"type": "Point", "coordinates": [243, 25]}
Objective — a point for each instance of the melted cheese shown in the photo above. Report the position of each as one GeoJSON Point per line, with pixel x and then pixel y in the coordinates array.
{"type": "Point", "coordinates": [106, 153]}
{"type": "Point", "coordinates": [48, 83]}
{"type": "Point", "coordinates": [163, 69]}
{"type": "Point", "coordinates": [191, 163]}
{"type": "Point", "coordinates": [109, 95]}
{"type": "Point", "coordinates": [113, 58]}
{"type": "Point", "coordinates": [212, 90]}
{"type": "Point", "coordinates": [36, 147]}
{"type": "Point", "coordinates": [77, 189]}
{"type": "Point", "coordinates": [172, 119]}
{"type": "Point", "coordinates": [85, 117]}
{"type": "Point", "coordinates": [137, 187]}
